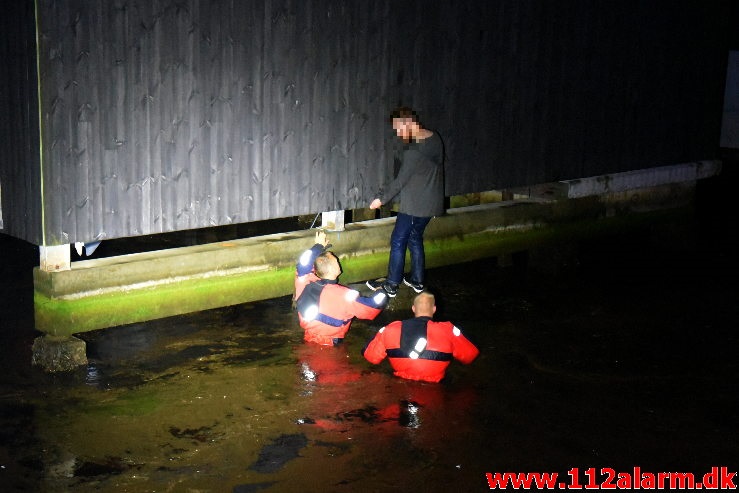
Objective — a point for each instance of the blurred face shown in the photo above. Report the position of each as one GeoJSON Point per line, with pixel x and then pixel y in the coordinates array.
{"type": "Point", "coordinates": [403, 127]}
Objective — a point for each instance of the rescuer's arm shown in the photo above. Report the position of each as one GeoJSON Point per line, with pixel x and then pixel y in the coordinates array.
{"type": "Point", "coordinates": [367, 308]}
{"type": "Point", "coordinates": [464, 350]}
{"type": "Point", "coordinates": [305, 262]}
{"type": "Point", "coordinates": [374, 351]}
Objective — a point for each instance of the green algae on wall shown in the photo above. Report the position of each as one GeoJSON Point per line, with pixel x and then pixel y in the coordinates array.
{"type": "Point", "coordinates": [70, 315]}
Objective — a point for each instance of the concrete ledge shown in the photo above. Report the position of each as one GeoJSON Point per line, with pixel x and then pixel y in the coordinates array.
{"type": "Point", "coordinates": [634, 180]}
{"type": "Point", "coordinates": [108, 292]}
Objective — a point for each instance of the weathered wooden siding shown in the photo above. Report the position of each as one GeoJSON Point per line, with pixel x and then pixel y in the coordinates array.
{"type": "Point", "coordinates": [20, 171]}
{"type": "Point", "coordinates": [165, 115]}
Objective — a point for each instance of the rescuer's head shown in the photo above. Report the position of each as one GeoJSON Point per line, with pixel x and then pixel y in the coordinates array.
{"type": "Point", "coordinates": [327, 266]}
{"type": "Point", "coordinates": [424, 305]}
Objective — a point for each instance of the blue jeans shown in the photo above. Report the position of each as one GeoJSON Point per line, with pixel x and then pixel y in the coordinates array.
{"type": "Point", "coordinates": [408, 233]}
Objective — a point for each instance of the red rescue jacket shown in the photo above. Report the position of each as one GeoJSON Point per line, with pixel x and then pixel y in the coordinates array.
{"type": "Point", "coordinates": [325, 307]}
{"type": "Point", "coordinates": [419, 348]}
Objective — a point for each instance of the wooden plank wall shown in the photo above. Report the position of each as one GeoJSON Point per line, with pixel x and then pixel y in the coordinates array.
{"type": "Point", "coordinates": [167, 115]}
{"type": "Point", "coordinates": [20, 171]}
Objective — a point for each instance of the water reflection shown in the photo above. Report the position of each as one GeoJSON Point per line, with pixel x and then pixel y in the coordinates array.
{"type": "Point", "coordinates": [618, 363]}
{"type": "Point", "coordinates": [92, 377]}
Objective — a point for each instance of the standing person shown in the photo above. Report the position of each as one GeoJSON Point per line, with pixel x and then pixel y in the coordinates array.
{"type": "Point", "coordinates": [325, 307]}
{"type": "Point", "coordinates": [419, 348]}
{"type": "Point", "coordinates": [420, 186]}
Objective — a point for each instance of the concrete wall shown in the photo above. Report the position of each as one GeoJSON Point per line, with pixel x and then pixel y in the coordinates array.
{"type": "Point", "coordinates": [115, 291]}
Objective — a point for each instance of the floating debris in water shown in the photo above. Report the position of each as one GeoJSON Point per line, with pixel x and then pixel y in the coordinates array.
{"type": "Point", "coordinates": [282, 450]}
{"type": "Point", "coordinates": [201, 434]}
{"type": "Point", "coordinates": [110, 465]}
{"type": "Point", "coordinates": [251, 488]}
{"type": "Point", "coordinates": [367, 414]}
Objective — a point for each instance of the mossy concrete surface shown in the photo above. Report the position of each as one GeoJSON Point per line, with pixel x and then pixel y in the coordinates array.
{"type": "Point", "coordinates": [109, 292]}
{"type": "Point", "coordinates": [533, 223]}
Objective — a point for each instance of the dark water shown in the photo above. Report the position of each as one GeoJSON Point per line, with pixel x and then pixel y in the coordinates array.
{"type": "Point", "coordinates": [620, 353]}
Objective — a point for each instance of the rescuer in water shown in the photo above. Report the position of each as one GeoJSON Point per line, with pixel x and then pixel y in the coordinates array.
{"type": "Point", "coordinates": [419, 348]}
{"type": "Point", "coordinates": [325, 307]}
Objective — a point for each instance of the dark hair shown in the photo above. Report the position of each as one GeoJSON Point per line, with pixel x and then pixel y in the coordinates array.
{"type": "Point", "coordinates": [404, 112]}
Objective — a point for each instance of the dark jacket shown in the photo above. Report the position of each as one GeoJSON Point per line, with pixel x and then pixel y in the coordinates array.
{"type": "Point", "coordinates": [420, 180]}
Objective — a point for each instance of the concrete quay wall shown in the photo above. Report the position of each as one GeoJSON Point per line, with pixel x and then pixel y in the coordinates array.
{"type": "Point", "coordinates": [116, 291]}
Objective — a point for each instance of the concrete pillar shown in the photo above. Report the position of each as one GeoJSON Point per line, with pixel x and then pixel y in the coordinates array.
{"type": "Point", "coordinates": [54, 258]}
{"type": "Point", "coordinates": [58, 353]}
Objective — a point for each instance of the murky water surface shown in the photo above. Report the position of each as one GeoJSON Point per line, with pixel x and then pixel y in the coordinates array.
{"type": "Point", "coordinates": [623, 356]}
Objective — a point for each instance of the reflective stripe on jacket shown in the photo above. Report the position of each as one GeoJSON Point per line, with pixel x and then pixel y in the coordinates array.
{"type": "Point", "coordinates": [325, 307]}
{"type": "Point", "coordinates": [419, 348]}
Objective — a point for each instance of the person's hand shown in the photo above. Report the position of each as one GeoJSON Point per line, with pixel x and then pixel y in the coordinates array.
{"type": "Point", "coordinates": [375, 204]}
{"type": "Point", "coordinates": [321, 238]}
